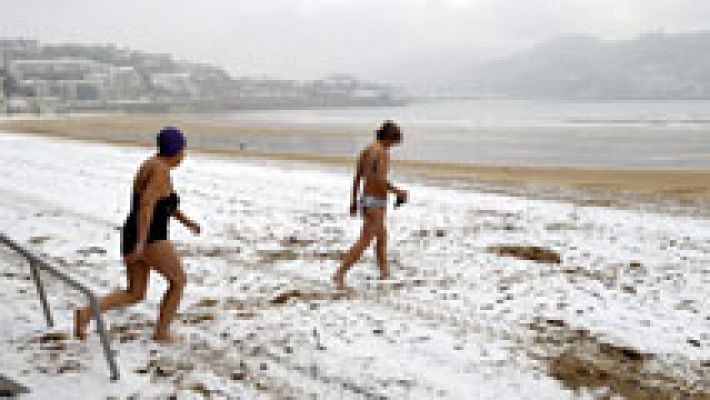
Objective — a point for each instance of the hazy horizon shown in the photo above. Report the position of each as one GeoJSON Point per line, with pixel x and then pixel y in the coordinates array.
{"type": "Point", "coordinates": [391, 41]}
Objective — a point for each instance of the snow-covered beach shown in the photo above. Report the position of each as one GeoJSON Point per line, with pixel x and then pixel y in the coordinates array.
{"type": "Point", "coordinates": [627, 301]}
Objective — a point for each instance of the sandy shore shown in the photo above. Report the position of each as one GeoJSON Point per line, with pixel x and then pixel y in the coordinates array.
{"type": "Point", "coordinates": [123, 127]}
{"type": "Point", "coordinates": [497, 295]}
{"type": "Point", "coordinates": [686, 186]}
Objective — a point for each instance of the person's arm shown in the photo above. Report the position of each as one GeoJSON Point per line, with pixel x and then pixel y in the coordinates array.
{"type": "Point", "coordinates": [186, 221]}
{"type": "Point", "coordinates": [383, 171]}
{"type": "Point", "coordinates": [356, 185]}
{"type": "Point", "coordinates": [394, 189]}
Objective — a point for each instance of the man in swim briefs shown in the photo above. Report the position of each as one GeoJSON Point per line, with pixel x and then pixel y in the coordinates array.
{"type": "Point", "coordinates": [372, 166]}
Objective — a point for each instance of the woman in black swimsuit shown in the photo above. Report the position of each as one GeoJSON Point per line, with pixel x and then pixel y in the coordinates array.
{"type": "Point", "coordinates": [144, 239]}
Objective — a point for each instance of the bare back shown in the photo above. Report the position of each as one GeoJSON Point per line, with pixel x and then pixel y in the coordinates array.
{"type": "Point", "coordinates": [154, 174]}
{"type": "Point", "coordinates": [373, 164]}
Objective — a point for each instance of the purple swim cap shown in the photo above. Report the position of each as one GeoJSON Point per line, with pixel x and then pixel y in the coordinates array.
{"type": "Point", "coordinates": [170, 141]}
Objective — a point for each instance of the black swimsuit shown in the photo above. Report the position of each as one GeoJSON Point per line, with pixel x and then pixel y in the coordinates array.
{"type": "Point", "coordinates": [164, 208]}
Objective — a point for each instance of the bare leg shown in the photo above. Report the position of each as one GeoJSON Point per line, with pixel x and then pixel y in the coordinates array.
{"type": "Point", "coordinates": [161, 255]}
{"type": "Point", "coordinates": [137, 274]}
{"type": "Point", "coordinates": [381, 253]}
{"type": "Point", "coordinates": [369, 228]}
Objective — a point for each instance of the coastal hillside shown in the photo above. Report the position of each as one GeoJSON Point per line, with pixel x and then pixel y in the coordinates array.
{"type": "Point", "coordinates": [652, 66]}
{"type": "Point", "coordinates": [39, 77]}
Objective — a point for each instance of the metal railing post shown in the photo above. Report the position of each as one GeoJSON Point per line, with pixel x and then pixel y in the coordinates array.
{"type": "Point", "coordinates": [37, 264]}
{"type": "Point", "coordinates": [42, 295]}
{"type": "Point", "coordinates": [108, 353]}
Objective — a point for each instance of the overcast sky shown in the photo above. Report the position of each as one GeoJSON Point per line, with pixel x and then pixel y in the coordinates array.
{"type": "Point", "coordinates": [376, 39]}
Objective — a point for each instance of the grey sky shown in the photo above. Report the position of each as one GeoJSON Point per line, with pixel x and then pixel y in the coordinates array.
{"type": "Point", "coordinates": [377, 39]}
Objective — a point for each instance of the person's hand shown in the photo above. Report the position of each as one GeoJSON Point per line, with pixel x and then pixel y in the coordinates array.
{"type": "Point", "coordinates": [137, 254]}
{"type": "Point", "coordinates": [353, 208]}
{"type": "Point", "coordinates": [195, 228]}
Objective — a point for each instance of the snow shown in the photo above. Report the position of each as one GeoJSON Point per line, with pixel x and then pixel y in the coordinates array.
{"type": "Point", "coordinates": [453, 323]}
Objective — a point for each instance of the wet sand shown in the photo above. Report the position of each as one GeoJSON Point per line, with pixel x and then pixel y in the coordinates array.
{"type": "Point", "coordinates": [684, 185]}
{"type": "Point", "coordinates": [117, 125]}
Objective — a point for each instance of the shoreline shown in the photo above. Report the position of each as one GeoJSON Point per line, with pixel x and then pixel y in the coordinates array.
{"type": "Point", "coordinates": [686, 186]}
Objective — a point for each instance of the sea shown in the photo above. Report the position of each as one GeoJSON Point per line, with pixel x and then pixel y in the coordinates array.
{"type": "Point", "coordinates": [618, 134]}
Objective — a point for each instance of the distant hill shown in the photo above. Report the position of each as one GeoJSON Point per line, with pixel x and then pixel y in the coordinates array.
{"type": "Point", "coordinates": [652, 66]}
{"type": "Point", "coordinates": [39, 77]}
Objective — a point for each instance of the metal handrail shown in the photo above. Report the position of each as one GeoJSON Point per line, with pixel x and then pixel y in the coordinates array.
{"type": "Point", "coordinates": [37, 264]}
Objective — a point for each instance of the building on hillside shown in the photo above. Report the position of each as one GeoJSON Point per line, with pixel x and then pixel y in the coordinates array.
{"type": "Point", "coordinates": [33, 88]}
{"type": "Point", "coordinates": [174, 84]}
{"type": "Point", "coordinates": [27, 105]}
{"type": "Point", "coordinates": [11, 49]}
{"type": "Point", "coordinates": [124, 83]}
{"type": "Point", "coordinates": [61, 69]}
{"type": "Point", "coordinates": [3, 104]}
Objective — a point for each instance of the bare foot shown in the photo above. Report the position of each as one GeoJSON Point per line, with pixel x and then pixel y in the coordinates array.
{"type": "Point", "coordinates": [339, 281]}
{"type": "Point", "coordinates": [166, 338]}
{"type": "Point", "coordinates": [81, 322]}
